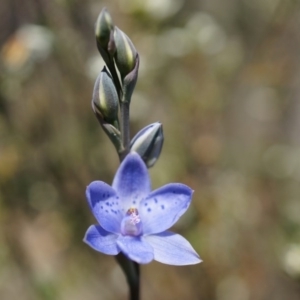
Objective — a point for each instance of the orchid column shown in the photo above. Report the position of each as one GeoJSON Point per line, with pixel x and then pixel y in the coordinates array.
{"type": "Point", "coordinates": [133, 221]}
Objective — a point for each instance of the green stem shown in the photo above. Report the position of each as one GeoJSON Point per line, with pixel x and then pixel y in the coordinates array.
{"type": "Point", "coordinates": [132, 275]}
{"type": "Point", "coordinates": [129, 267]}
{"type": "Point", "coordinates": [124, 126]}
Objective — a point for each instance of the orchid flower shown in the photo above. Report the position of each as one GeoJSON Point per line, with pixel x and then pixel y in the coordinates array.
{"type": "Point", "coordinates": [135, 220]}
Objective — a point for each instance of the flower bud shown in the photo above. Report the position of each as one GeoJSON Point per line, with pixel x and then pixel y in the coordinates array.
{"type": "Point", "coordinates": [105, 98]}
{"type": "Point", "coordinates": [130, 80]}
{"type": "Point", "coordinates": [103, 28]}
{"type": "Point", "coordinates": [148, 143]}
{"type": "Point", "coordinates": [125, 55]}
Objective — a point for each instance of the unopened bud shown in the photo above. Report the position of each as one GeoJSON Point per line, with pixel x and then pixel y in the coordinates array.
{"type": "Point", "coordinates": [105, 98]}
{"type": "Point", "coordinates": [148, 143]}
{"type": "Point", "coordinates": [103, 27]}
{"type": "Point", "coordinates": [125, 55]}
{"type": "Point", "coordinates": [130, 80]}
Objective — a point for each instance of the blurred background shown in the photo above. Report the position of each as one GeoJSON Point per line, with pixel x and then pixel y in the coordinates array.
{"type": "Point", "coordinates": [223, 76]}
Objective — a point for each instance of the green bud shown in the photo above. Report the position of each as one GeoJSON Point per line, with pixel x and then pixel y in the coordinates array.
{"type": "Point", "coordinates": [125, 55]}
{"type": "Point", "coordinates": [105, 98]}
{"type": "Point", "coordinates": [148, 143]}
{"type": "Point", "coordinates": [103, 28]}
{"type": "Point", "coordinates": [130, 80]}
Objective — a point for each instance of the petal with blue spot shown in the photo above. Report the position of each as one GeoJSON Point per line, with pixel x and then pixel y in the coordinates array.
{"type": "Point", "coordinates": [164, 206]}
{"type": "Point", "coordinates": [132, 181]}
{"type": "Point", "coordinates": [105, 205]}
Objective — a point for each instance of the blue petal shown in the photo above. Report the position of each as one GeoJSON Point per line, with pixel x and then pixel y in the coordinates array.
{"type": "Point", "coordinates": [164, 206]}
{"type": "Point", "coordinates": [136, 249]}
{"type": "Point", "coordinates": [105, 205]}
{"type": "Point", "coordinates": [101, 240]}
{"type": "Point", "coordinates": [132, 181]}
{"type": "Point", "coordinates": [172, 249]}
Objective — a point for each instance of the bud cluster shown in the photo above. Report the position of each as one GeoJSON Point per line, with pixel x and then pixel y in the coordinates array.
{"type": "Point", "coordinates": [111, 96]}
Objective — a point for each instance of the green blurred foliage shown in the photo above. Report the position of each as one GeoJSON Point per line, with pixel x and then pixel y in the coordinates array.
{"type": "Point", "coordinates": [223, 78]}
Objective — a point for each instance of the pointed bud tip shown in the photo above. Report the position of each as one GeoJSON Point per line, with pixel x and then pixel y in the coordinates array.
{"type": "Point", "coordinates": [103, 27]}
{"type": "Point", "coordinates": [125, 56]}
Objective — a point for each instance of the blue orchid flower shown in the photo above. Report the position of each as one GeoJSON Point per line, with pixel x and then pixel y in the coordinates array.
{"type": "Point", "coordinates": [134, 220]}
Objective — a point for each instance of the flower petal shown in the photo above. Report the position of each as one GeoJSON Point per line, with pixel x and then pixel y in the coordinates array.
{"type": "Point", "coordinates": [136, 249]}
{"type": "Point", "coordinates": [172, 249]}
{"type": "Point", "coordinates": [164, 206]}
{"type": "Point", "coordinates": [101, 240]}
{"type": "Point", "coordinates": [132, 181]}
{"type": "Point", "coordinates": [105, 205]}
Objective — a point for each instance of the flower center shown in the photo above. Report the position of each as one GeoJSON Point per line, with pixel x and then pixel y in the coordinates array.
{"type": "Point", "coordinates": [131, 223]}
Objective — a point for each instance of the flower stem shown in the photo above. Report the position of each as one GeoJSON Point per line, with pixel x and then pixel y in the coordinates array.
{"type": "Point", "coordinates": [129, 267]}
{"type": "Point", "coordinates": [131, 270]}
{"type": "Point", "coordinates": [125, 129]}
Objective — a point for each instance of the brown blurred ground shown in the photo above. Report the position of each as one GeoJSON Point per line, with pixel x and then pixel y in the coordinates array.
{"type": "Point", "coordinates": [223, 76]}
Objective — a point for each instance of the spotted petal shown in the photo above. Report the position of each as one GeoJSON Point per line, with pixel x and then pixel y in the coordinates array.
{"type": "Point", "coordinates": [101, 240]}
{"type": "Point", "coordinates": [172, 249]}
{"type": "Point", "coordinates": [136, 249]}
{"type": "Point", "coordinates": [132, 181]}
{"type": "Point", "coordinates": [105, 205]}
{"type": "Point", "coordinates": [164, 206]}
